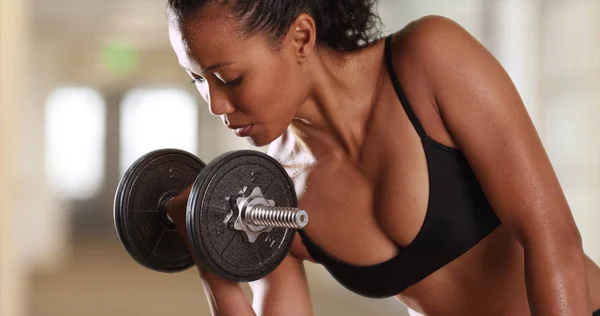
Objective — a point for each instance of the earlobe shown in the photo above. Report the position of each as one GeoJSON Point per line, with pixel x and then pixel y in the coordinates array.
{"type": "Point", "coordinates": [304, 36]}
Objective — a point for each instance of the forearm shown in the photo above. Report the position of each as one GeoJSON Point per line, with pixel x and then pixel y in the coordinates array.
{"type": "Point", "coordinates": [556, 279]}
{"type": "Point", "coordinates": [283, 292]}
{"type": "Point", "coordinates": [224, 297]}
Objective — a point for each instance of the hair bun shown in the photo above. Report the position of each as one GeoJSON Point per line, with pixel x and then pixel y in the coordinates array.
{"type": "Point", "coordinates": [346, 24]}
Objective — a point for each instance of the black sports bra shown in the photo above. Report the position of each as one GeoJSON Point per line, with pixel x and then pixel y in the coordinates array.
{"type": "Point", "coordinates": [458, 217]}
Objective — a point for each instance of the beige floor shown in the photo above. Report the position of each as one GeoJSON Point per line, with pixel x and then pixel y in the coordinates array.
{"type": "Point", "coordinates": [100, 279]}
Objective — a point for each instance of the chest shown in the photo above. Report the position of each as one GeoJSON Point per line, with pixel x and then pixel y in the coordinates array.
{"type": "Point", "coordinates": [361, 210]}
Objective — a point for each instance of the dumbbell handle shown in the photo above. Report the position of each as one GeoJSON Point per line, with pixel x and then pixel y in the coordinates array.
{"type": "Point", "coordinates": [258, 215]}
{"type": "Point", "coordinates": [175, 206]}
{"type": "Point", "coordinates": [276, 216]}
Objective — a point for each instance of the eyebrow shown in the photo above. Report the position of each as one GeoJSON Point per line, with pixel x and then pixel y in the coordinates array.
{"type": "Point", "coordinates": [211, 67]}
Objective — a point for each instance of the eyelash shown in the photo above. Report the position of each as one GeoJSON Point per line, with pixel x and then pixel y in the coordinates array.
{"type": "Point", "coordinates": [197, 80]}
{"type": "Point", "coordinates": [233, 83]}
{"type": "Point", "coordinates": [228, 84]}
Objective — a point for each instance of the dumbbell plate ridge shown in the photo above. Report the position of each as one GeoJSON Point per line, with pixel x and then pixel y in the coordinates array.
{"type": "Point", "coordinates": [212, 212]}
{"type": "Point", "coordinates": [142, 226]}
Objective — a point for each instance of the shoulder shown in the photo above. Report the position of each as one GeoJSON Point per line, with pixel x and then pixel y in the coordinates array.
{"type": "Point", "coordinates": [429, 27]}
{"type": "Point", "coordinates": [428, 35]}
{"type": "Point", "coordinates": [430, 42]}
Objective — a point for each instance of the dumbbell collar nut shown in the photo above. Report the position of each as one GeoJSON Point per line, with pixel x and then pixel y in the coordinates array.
{"type": "Point", "coordinates": [244, 204]}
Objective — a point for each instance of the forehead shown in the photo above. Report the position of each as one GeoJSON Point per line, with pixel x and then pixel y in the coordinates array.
{"type": "Point", "coordinates": [209, 36]}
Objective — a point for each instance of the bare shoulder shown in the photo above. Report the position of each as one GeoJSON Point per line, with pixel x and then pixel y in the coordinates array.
{"type": "Point", "coordinates": [426, 34]}
{"type": "Point", "coordinates": [431, 25]}
{"type": "Point", "coordinates": [423, 54]}
{"type": "Point", "coordinates": [433, 40]}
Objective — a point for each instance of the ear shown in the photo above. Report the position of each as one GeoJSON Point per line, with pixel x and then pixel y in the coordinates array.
{"type": "Point", "coordinates": [303, 36]}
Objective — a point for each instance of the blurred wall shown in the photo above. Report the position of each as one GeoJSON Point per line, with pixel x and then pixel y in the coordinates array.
{"type": "Point", "coordinates": [27, 210]}
{"type": "Point", "coordinates": [60, 256]}
{"type": "Point", "coordinates": [13, 26]}
{"type": "Point", "coordinates": [569, 115]}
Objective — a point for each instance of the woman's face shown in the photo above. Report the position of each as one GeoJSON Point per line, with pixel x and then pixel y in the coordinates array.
{"type": "Point", "coordinates": [255, 89]}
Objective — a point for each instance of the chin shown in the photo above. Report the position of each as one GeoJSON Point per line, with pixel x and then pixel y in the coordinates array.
{"type": "Point", "coordinates": [254, 142]}
{"type": "Point", "coordinates": [261, 139]}
{"type": "Point", "coordinates": [258, 141]}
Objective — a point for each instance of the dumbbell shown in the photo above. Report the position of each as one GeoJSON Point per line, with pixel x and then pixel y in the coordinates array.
{"type": "Point", "coordinates": [241, 212]}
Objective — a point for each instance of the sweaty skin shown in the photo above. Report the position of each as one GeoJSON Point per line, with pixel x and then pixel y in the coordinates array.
{"type": "Point", "coordinates": [334, 121]}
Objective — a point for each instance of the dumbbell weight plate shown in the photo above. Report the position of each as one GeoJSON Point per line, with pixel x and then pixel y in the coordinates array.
{"type": "Point", "coordinates": [212, 212]}
{"type": "Point", "coordinates": [142, 225]}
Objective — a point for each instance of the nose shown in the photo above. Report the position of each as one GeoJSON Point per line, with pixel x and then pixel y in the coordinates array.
{"type": "Point", "coordinates": [218, 102]}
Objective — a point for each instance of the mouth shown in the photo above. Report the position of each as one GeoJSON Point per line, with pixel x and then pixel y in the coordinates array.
{"type": "Point", "coordinates": [241, 130]}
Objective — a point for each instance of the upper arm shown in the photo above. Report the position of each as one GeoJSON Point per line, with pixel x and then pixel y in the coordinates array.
{"type": "Point", "coordinates": [486, 117]}
{"type": "Point", "coordinates": [284, 291]}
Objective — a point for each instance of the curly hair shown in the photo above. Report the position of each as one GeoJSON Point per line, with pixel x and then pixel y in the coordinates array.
{"type": "Point", "coordinates": [344, 25]}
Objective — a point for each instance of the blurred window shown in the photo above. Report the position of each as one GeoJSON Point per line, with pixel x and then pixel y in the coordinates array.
{"type": "Point", "coordinates": [74, 139]}
{"type": "Point", "coordinates": [156, 119]}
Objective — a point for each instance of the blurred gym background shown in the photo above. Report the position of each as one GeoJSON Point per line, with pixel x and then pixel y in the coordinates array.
{"type": "Point", "coordinates": [87, 86]}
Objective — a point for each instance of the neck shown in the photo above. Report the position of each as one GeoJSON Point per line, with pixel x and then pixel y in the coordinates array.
{"type": "Point", "coordinates": [334, 116]}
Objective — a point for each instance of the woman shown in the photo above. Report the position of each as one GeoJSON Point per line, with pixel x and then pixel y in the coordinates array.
{"type": "Point", "coordinates": [417, 146]}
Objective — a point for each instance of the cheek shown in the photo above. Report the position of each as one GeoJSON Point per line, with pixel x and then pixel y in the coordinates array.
{"type": "Point", "coordinates": [276, 92]}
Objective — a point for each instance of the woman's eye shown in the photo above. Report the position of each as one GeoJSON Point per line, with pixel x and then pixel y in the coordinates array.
{"type": "Point", "coordinates": [200, 79]}
{"type": "Point", "coordinates": [197, 80]}
{"type": "Point", "coordinates": [232, 83]}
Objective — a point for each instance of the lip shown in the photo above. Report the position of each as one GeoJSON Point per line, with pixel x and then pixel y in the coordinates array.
{"type": "Point", "coordinates": [241, 130]}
